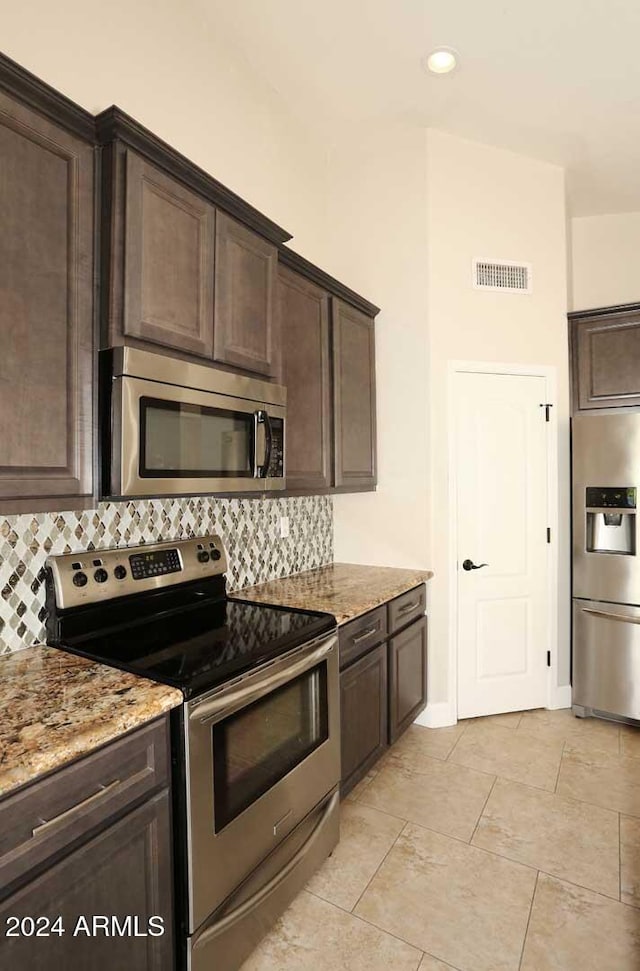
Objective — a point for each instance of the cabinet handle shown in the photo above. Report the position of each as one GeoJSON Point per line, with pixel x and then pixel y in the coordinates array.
{"type": "Point", "coordinates": [365, 634]}
{"type": "Point", "coordinates": [47, 824]}
{"type": "Point", "coordinates": [408, 607]}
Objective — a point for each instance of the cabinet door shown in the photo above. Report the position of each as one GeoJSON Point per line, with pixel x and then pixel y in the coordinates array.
{"type": "Point", "coordinates": [606, 361]}
{"type": "Point", "coordinates": [407, 677]}
{"type": "Point", "coordinates": [246, 280]}
{"type": "Point", "coordinates": [46, 313]}
{"type": "Point", "coordinates": [354, 397]}
{"type": "Point", "coordinates": [363, 714]}
{"type": "Point", "coordinates": [125, 872]}
{"type": "Point", "coordinates": [303, 316]}
{"type": "Point", "coordinates": [168, 261]}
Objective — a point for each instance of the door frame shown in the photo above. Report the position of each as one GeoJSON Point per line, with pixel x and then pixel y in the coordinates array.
{"type": "Point", "coordinates": [549, 373]}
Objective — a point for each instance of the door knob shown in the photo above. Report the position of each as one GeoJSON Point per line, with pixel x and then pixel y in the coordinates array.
{"type": "Point", "coordinates": [470, 565]}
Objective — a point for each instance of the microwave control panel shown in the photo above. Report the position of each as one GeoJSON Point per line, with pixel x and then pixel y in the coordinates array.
{"type": "Point", "coordinates": [276, 462]}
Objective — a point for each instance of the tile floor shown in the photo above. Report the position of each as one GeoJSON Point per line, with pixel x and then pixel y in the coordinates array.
{"type": "Point", "coordinates": [508, 843]}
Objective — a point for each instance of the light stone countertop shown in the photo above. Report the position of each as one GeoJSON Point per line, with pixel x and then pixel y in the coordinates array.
{"type": "Point", "coordinates": [345, 590]}
{"type": "Point", "coordinates": [57, 707]}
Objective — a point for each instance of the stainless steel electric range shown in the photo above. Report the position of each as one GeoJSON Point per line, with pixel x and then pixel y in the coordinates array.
{"type": "Point", "coordinates": [256, 749]}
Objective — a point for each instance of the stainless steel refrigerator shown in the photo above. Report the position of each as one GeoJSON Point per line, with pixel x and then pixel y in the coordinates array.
{"type": "Point", "coordinates": [606, 565]}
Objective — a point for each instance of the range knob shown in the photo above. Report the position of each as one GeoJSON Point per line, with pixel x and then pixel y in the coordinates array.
{"type": "Point", "coordinates": [215, 554]}
{"type": "Point", "coordinates": [80, 579]}
{"type": "Point", "coordinates": [203, 556]}
{"type": "Point", "coordinates": [120, 572]}
{"type": "Point", "coordinates": [101, 575]}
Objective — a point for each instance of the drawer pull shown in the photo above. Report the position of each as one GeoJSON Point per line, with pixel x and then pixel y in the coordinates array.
{"type": "Point", "coordinates": [47, 824]}
{"type": "Point", "coordinates": [408, 607]}
{"type": "Point", "coordinates": [365, 634]}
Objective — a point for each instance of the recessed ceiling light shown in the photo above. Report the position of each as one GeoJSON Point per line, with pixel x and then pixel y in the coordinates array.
{"type": "Point", "coordinates": [442, 60]}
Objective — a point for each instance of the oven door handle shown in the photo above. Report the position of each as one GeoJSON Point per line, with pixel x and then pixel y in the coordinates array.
{"type": "Point", "coordinates": [256, 899]}
{"type": "Point", "coordinates": [237, 697]}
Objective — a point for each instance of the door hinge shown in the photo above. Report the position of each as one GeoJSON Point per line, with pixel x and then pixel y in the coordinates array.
{"type": "Point", "coordinates": [547, 411]}
{"type": "Point", "coordinates": [548, 659]}
{"type": "Point", "coordinates": [548, 534]}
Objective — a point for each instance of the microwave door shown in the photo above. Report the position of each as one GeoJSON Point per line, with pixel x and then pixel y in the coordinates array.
{"type": "Point", "coordinates": [180, 441]}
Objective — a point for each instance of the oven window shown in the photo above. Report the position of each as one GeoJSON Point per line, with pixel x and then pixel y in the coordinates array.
{"type": "Point", "coordinates": [183, 440]}
{"type": "Point", "coordinates": [255, 747]}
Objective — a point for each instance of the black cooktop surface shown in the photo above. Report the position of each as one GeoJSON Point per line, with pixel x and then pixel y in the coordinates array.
{"type": "Point", "coordinates": [198, 647]}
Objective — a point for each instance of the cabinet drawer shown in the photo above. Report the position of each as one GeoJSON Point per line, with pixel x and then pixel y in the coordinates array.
{"type": "Point", "coordinates": [406, 608]}
{"type": "Point", "coordinates": [360, 635]}
{"type": "Point", "coordinates": [61, 810]}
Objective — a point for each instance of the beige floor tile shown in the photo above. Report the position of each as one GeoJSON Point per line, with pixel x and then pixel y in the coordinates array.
{"type": "Point", "coordinates": [630, 741]}
{"type": "Point", "coordinates": [432, 964]}
{"type": "Point", "coordinates": [418, 741]}
{"type": "Point", "coordinates": [580, 734]}
{"type": "Point", "coordinates": [569, 839]}
{"type": "Point", "coordinates": [612, 781]}
{"type": "Point", "coordinates": [441, 796]}
{"type": "Point", "coordinates": [366, 835]}
{"type": "Point", "coordinates": [313, 935]}
{"type": "Point", "coordinates": [572, 929]}
{"type": "Point", "coordinates": [508, 719]}
{"type": "Point", "coordinates": [359, 788]}
{"type": "Point", "coordinates": [630, 861]}
{"type": "Point", "coordinates": [509, 754]}
{"type": "Point", "coordinates": [456, 902]}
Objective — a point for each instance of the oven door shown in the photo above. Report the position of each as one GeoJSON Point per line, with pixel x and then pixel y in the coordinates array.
{"type": "Point", "coordinates": [169, 440]}
{"type": "Point", "coordinates": [260, 754]}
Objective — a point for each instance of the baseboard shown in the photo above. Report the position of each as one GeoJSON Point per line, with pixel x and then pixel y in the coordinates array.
{"type": "Point", "coordinates": [560, 697]}
{"type": "Point", "coordinates": [437, 715]}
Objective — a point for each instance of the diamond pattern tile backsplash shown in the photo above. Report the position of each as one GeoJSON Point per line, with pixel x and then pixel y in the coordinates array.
{"type": "Point", "coordinates": [250, 529]}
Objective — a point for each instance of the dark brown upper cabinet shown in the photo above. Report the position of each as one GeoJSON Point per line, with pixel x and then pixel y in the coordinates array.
{"type": "Point", "coordinates": [245, 297]}
{"type": "Point", "coordinates": [169, 238]}
{"type": "Point", "coordinates": [47, 250]}
{"type": "Point", "coordinates": [605, 358]}
{"type": "Point", "coordinates": [305, 369]}
{"type": "Point", "coordinates": [186, 263]}
{"type": "Point", "coordinates": [354, 397]}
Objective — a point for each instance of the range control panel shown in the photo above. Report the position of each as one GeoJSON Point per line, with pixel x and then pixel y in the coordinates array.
{"type": "Point", "coordinates": [611, 497]}
{"type": "Point", "coordinates": [101, 575]}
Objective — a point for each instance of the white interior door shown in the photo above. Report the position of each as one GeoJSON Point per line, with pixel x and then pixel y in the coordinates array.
{"type": "Point", "coordinates": [502, 519]}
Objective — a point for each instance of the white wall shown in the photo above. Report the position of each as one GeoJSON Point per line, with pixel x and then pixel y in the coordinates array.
{"type": "Point", "coordinates": [489, 203]}
{"type": "Point", "coordinates": [159, 61]}
{"type": "Point", "coordinates": [377, 218]}
{"type": "Point", "coordinates": [411, 210]}
{"type": "Point", "coordinates": [605, 260]}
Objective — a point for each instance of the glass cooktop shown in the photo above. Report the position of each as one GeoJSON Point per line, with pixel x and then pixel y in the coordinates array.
{"type": "Point", "coordinates": [199, 648]}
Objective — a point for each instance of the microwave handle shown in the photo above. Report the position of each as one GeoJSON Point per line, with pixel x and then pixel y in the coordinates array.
{"type": "Point", "coordinates": [262, 418]}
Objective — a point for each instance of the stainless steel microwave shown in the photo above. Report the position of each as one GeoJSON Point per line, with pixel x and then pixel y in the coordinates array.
{"type": "Point", "coordinates": [171, 428]}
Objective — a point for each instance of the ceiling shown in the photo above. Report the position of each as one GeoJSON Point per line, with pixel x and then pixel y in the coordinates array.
{"type": "Point", "coordinates": [558, 80]}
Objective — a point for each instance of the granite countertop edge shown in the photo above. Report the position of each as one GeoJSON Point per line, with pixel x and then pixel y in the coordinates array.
{"type": "Point", "coordinates": [345, 590]}
{"type": "Point", "coordinates": [58, 707]}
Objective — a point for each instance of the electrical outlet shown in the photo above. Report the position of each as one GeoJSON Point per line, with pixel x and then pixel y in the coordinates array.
{"type": "Point", "coordinates": [284, 526]}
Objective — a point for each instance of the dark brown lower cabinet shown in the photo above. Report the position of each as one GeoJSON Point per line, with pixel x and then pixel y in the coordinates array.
{"type": "Point", "coordinates": [363, 710]}
{"type": "Point", "coordinates": [385, 687]}
{"type": "Point", "coordinates": [407, 676]}
{"type": "Point", "coordinates": [73, 915]}
{"type": "Point", "coordinates": [86, 868]}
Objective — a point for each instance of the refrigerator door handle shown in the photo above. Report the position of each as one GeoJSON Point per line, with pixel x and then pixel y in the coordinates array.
{"type": "Point", "coordinates": [623, 618]}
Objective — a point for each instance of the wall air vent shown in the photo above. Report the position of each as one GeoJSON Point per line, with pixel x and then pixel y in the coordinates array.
{"type": "Point", "coordinates": [502, 275]}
